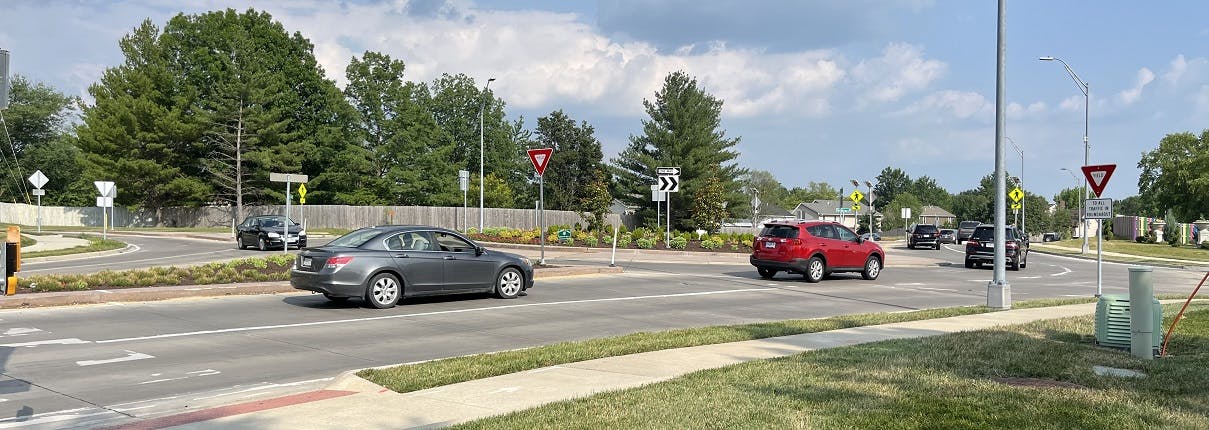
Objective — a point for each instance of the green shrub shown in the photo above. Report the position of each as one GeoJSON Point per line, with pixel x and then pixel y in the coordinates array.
{"type": "Point", "coordinates": [640, 233]}
{"type": "Point", "coordinates": [622, 229]}
{"type": "Point", "coordinates": [625, 240]}
{"type": "Point", "coordinates": [711, 243]}
{"type": "Point", "coordinates": [591, 240]}
{"type": "Point", "coordinates": [645, 243]}
{"type": "Point", "coordinates": [570, 241]}
{"type": "Point", "coordinates": [679, 242]}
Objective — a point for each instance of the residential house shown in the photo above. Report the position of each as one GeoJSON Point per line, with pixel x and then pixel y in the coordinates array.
{"type": "Point", "coordinates": [830, 210]}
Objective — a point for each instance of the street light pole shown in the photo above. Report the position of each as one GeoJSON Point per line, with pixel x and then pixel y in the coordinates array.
{"type": "Point", "coordinates": [482, 105]}
{"type": "Point", "coordinates": [1022, 199]}
{"type": "Point", "coordinates": [1083, 87]}
{"type": "Point", "coordinates": [1077, 180]}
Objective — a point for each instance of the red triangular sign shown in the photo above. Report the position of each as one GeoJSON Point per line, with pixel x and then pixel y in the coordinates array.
{"type": "Point", "coordinates": [540, 158]}
{"type": "Point", "coordinates": [1097, 176]}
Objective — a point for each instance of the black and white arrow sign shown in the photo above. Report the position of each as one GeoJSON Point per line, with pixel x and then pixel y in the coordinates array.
{"type": "Point", "coordinates": [669, 183]}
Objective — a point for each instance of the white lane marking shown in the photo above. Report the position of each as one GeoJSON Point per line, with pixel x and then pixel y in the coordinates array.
{"type": "Point", "coordinates": [418, 314]}
{"type": "Point", "coordinates": [188, 375]}
{"type": "Point", "coordinates": [69, 341]}
{"type": "Point", "coordinates": [907, 284]}
{"type": "Point", "coordinates": [50, 417]}
{"type": "Point", "coordinates": [154, 381]}
{"type": "Point", "coordinates": [936, 289]}
{"type": "Point", "coordinates": [1029, 277]}
{"type": "Point", "coordinates": [206, 372]}
{"type": "Point", "coordinates": [19, 331]}
{"type": "Point", "coordinates": [262, 387]}
{"type": "Point", "coordinates": [130, 356]}
{"type": "Point", "coordinates": [1065, 270]}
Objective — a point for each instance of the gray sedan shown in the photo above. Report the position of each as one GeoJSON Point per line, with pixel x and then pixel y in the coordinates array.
{"type": "Point", "coordinates": [384, 264]}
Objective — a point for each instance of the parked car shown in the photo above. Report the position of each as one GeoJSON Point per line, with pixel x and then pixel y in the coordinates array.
{"type": "Point", "coordinates": [981, 247]}
{"type": "Point", "coordinates": [1051, 237]}
{"type": "Point", "coordinates": [266, 231]}
{"type": "Point", "coordinates": [924, 235]}
{"type": "Point", "coordinates": [385, 264]}
{"type": "Point", "coordinates": [874, 236]}
{"type": "Point", "coordinates": [947, 235]}
{"type": "Point", "coordinates": [814, 249]}
{"type": "Point", "coordinates": [965, 229]}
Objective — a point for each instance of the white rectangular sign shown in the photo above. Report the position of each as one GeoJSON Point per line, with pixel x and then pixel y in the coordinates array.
{"type": "Point", "coordinates": [656, 195]}
{"type": "Point", "coordinates": [104, 202]}
{"type": "Point", "coordinates": [1097, 208]}
{"type": "Point", "coordinates": [288, 177]}
{"type": "Point", "coordinates": [38, 192]}
{"type": "Point", "coordinates": [906, 213]}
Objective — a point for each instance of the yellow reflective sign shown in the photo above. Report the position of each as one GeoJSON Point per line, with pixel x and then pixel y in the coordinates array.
{"type": "Point", "coordinates": [1016, 194]}
{"type": "Point", "coordinates": [856, 196]}
{"type": "Point", "coordinates": [1017, 206]}
{"type": "Point", "coordinates": [301, 191]}
{"type": "Point", "coordinates": [302, 200]}
{"type": "Point", "coordinates": [856, 208]}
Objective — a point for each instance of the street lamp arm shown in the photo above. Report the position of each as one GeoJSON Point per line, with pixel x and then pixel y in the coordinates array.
{"type": "Point", "coordinates": [1074, 76]}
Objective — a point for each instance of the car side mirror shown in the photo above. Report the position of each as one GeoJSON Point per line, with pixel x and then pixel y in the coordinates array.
{"type": "Point", "coordinates": [860, 240]}
{"type": "Point", "coordinates": [478, 250]}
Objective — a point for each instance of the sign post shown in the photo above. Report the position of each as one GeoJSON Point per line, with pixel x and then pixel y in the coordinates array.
{"type": "Point", "coordinates": [288, 178]}
{"type": "Point", "coordinates": [105, 200]}
{"type": "Point", "coordinates": [541, 158]}
{"type": "Point", "coordinates": [38, 179]}
{"type": "Point", "coordinates": [669, 182]}
{"type": "Point", "coordinates": [906, 213]}
{"type": "Point", "coordinates": [1097, 176]}
{"type": "Point", "coordinates": [302, 204]}
{"type": "Point", "coordinates": [463, 184]}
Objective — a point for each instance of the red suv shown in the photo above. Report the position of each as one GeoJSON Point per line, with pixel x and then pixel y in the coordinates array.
{"type": "Point", "coordinates": [815, 249]}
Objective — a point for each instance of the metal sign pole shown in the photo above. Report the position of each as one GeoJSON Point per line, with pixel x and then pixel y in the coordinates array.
{"type": "Point", "coordinates": [542, 215]}
{"type": "Point", "coordinates": [285, 224]}
{"type": "Point", "coordinates": [668, 235]}
{"type": "Point", "coordinates": [1099, 257]}
{"type": "Point", "coordinates": [39, 213]}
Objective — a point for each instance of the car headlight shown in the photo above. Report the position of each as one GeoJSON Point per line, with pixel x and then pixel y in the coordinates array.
{"type": "Point", "coordinates": [273, 235]}
{"type": "Point", "coordinates": [527, 261]}
{"type": "Point", "coordinates": [302, 232]}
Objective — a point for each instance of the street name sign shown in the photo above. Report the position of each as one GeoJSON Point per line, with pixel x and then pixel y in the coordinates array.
{"type": "Point", "coordinates": [287, 177]}
{"type": "Point", "coordinates": [1097, 176]}
{"type": "Point", "coordinates": [1098, 208]}
{"type": "Point", "coordinates": [665, 171]}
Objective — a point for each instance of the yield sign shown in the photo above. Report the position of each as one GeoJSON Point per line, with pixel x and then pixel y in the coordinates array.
{"type": "Point", "coordinates": [540, 158]}
{"type": "Point", "coordinates": [1097, 176]}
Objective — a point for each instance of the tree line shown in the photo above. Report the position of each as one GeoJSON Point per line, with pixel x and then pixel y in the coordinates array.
{"type": "Point", "coordinates": [202, 110]}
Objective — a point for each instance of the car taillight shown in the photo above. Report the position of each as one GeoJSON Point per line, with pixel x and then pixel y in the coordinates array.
{"type": "Point", "coordinates": [970, 243]}
{"type": "Point", "coordinates": [338, 262]}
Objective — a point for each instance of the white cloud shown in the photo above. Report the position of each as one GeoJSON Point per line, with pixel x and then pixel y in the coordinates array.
{"type": "Point", "coordinates": [900, 70]}
{"type": "Point", "coordinates": [1178, 66]}
{"type": "Point", "coordinates": [1017, 111]}
{"type": "Point", "coordinates": [1072, 103]}
{"type": "Point", "coordinates": [1145, 77]}
{"type": "Point", "coordinates": [954, 104]}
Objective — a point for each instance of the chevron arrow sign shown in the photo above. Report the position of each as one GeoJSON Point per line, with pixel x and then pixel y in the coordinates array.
{"type": "Point", "coordinates": [669, 183]}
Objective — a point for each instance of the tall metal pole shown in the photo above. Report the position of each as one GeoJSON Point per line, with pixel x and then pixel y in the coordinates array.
{"type": "Point", "coordinates": [999, 292]}
{"type": "Point", "coordinates": [482, 106]}
{"type": "Point", "coordinates": [1086, 90]}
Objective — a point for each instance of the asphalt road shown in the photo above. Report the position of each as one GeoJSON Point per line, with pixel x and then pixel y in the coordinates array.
{"type": "Point", "coordinates": [151, 251]}
{"type": "Point", "coordinates": [108, 364]}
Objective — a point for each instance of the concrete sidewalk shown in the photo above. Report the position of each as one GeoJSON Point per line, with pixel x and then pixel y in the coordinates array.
{"type": "Point", "coordinates": [353, 402]}
{"type": "Point", "coordinates": [48, 242]}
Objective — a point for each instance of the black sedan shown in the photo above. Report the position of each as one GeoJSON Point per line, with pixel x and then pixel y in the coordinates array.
{"type": "Point", "coordinates": [269, 231]}
{"type": "Point", "coordinates": [385, 264]}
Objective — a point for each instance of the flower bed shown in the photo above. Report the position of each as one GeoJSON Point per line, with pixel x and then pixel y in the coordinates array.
{"type": "Point", "coordinates": [640, 238]}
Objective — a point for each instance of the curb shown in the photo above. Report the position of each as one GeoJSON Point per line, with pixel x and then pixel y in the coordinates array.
{"type": "Point", "coordinates": [79, 256]}
{"type": "Point", "coordinates": [145, 294]}
{"type": "Point", "coordinates": [1200, 267]}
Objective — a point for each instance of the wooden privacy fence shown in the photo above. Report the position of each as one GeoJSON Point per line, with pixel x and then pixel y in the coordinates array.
{"type": "Point", "coordinates": [314, 216]}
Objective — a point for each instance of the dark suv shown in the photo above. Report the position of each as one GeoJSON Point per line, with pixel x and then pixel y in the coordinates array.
{"type": "Point", "coordinates": [965, 229]}
{"type": "Point", "coordinates": [815, 249]}
{"type": "Point", "coordinates": [980, 248]}
{"type": "Point", "coordinates": [924, 234]}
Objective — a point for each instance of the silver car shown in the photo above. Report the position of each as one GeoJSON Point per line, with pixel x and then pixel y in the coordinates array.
{"type": "Point", "coordinates": [385, 264]}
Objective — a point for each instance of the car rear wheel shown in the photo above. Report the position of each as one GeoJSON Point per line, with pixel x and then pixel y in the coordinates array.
{"type": "Point", "coordinates": [815, 269]}
{"type": "Point", "coordinates": [239, 242]}
{"type": "Point", "coordinates": [873, 267]}
{"type": "Point", "coordinates": [1015, 265]}
{"type": "Point", "coordinates": [766, 273]}
{"type": "Point", "coordinates": [937, 246]}
{"type": "Point", "coordinates": [383, 291]}
{"type": "Point", "coordinates": [1024, 262]}
{"type": "Point", "coordinates": [508, 283]}
{"type": "Point", "coordinates": [969, 264]}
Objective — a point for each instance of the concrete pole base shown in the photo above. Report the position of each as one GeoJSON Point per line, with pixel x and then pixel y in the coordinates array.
{"type": "Point", "coordinates": [999, 296]}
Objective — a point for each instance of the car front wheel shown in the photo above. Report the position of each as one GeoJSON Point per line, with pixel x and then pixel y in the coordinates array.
{"type": "Point", "coordinates": [815, 269]}
{"type": "Point", "coordinates": [873, 267]}
{"type": "Point", "coordinates": [383, 291]}
{"type": "Point", "coordinates": [766, 273]}
{"type": "Point", "coordinates": [508, 283]}
{"type": "Point", "coordinates": [261, 245]}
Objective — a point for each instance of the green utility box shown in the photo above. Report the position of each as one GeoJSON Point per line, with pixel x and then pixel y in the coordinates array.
{"type": "Point", "coordinates": [1112, 321]}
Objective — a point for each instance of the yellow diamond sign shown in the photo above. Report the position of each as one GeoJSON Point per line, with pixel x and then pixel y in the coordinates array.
{"type": "Point", "coordinates": [856, 196]}
{"type": "Point", "coordinates": [302, 190]}
{"type": "Point", "coordinates": [1016, 194]}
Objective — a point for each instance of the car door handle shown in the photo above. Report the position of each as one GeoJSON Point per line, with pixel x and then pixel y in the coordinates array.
{"type": "Point", "coordinates": [400, 255]}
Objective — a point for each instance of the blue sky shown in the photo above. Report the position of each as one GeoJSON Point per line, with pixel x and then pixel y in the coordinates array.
{"type": "Point", "coordinates": [822, 91]}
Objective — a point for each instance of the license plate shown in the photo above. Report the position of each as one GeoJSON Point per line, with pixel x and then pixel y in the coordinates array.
{"type": "Point", "coordinates": [292, 239]}
{"type": "Point", "coordinates": [989, 245]}
{"type": "Point", "coordinates": [305, 262]}
{"type": "Point", "coordinates": [770, 244]}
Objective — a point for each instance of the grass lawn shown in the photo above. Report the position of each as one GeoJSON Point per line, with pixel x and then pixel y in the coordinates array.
{"type": "Point", "coordinates": [1141, 250]}
{"type": "Point", "coordinates": [941, 382]}
{"type": "Point", "coordinates": [460, 369]}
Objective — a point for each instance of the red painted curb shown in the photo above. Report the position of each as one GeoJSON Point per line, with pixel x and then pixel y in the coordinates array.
{"type": "Point", "coordinates": [232, 410]}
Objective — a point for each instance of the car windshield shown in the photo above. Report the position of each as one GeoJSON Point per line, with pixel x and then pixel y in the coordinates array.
{"type": "Point", "coordinates": [969, 224]}
{"type": "Point", "coordinates": [356, 238]}
{"type": "Point", "coordinates": [925, 228]}
{"type": "Point", "coordinates": [781, 231]}
{"type": "Point", "coordinates": [274, 221]}
{"type": "Point", "coordinates": [946, 231]}
{"type": "Point", "coordinates": [988, 233]}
